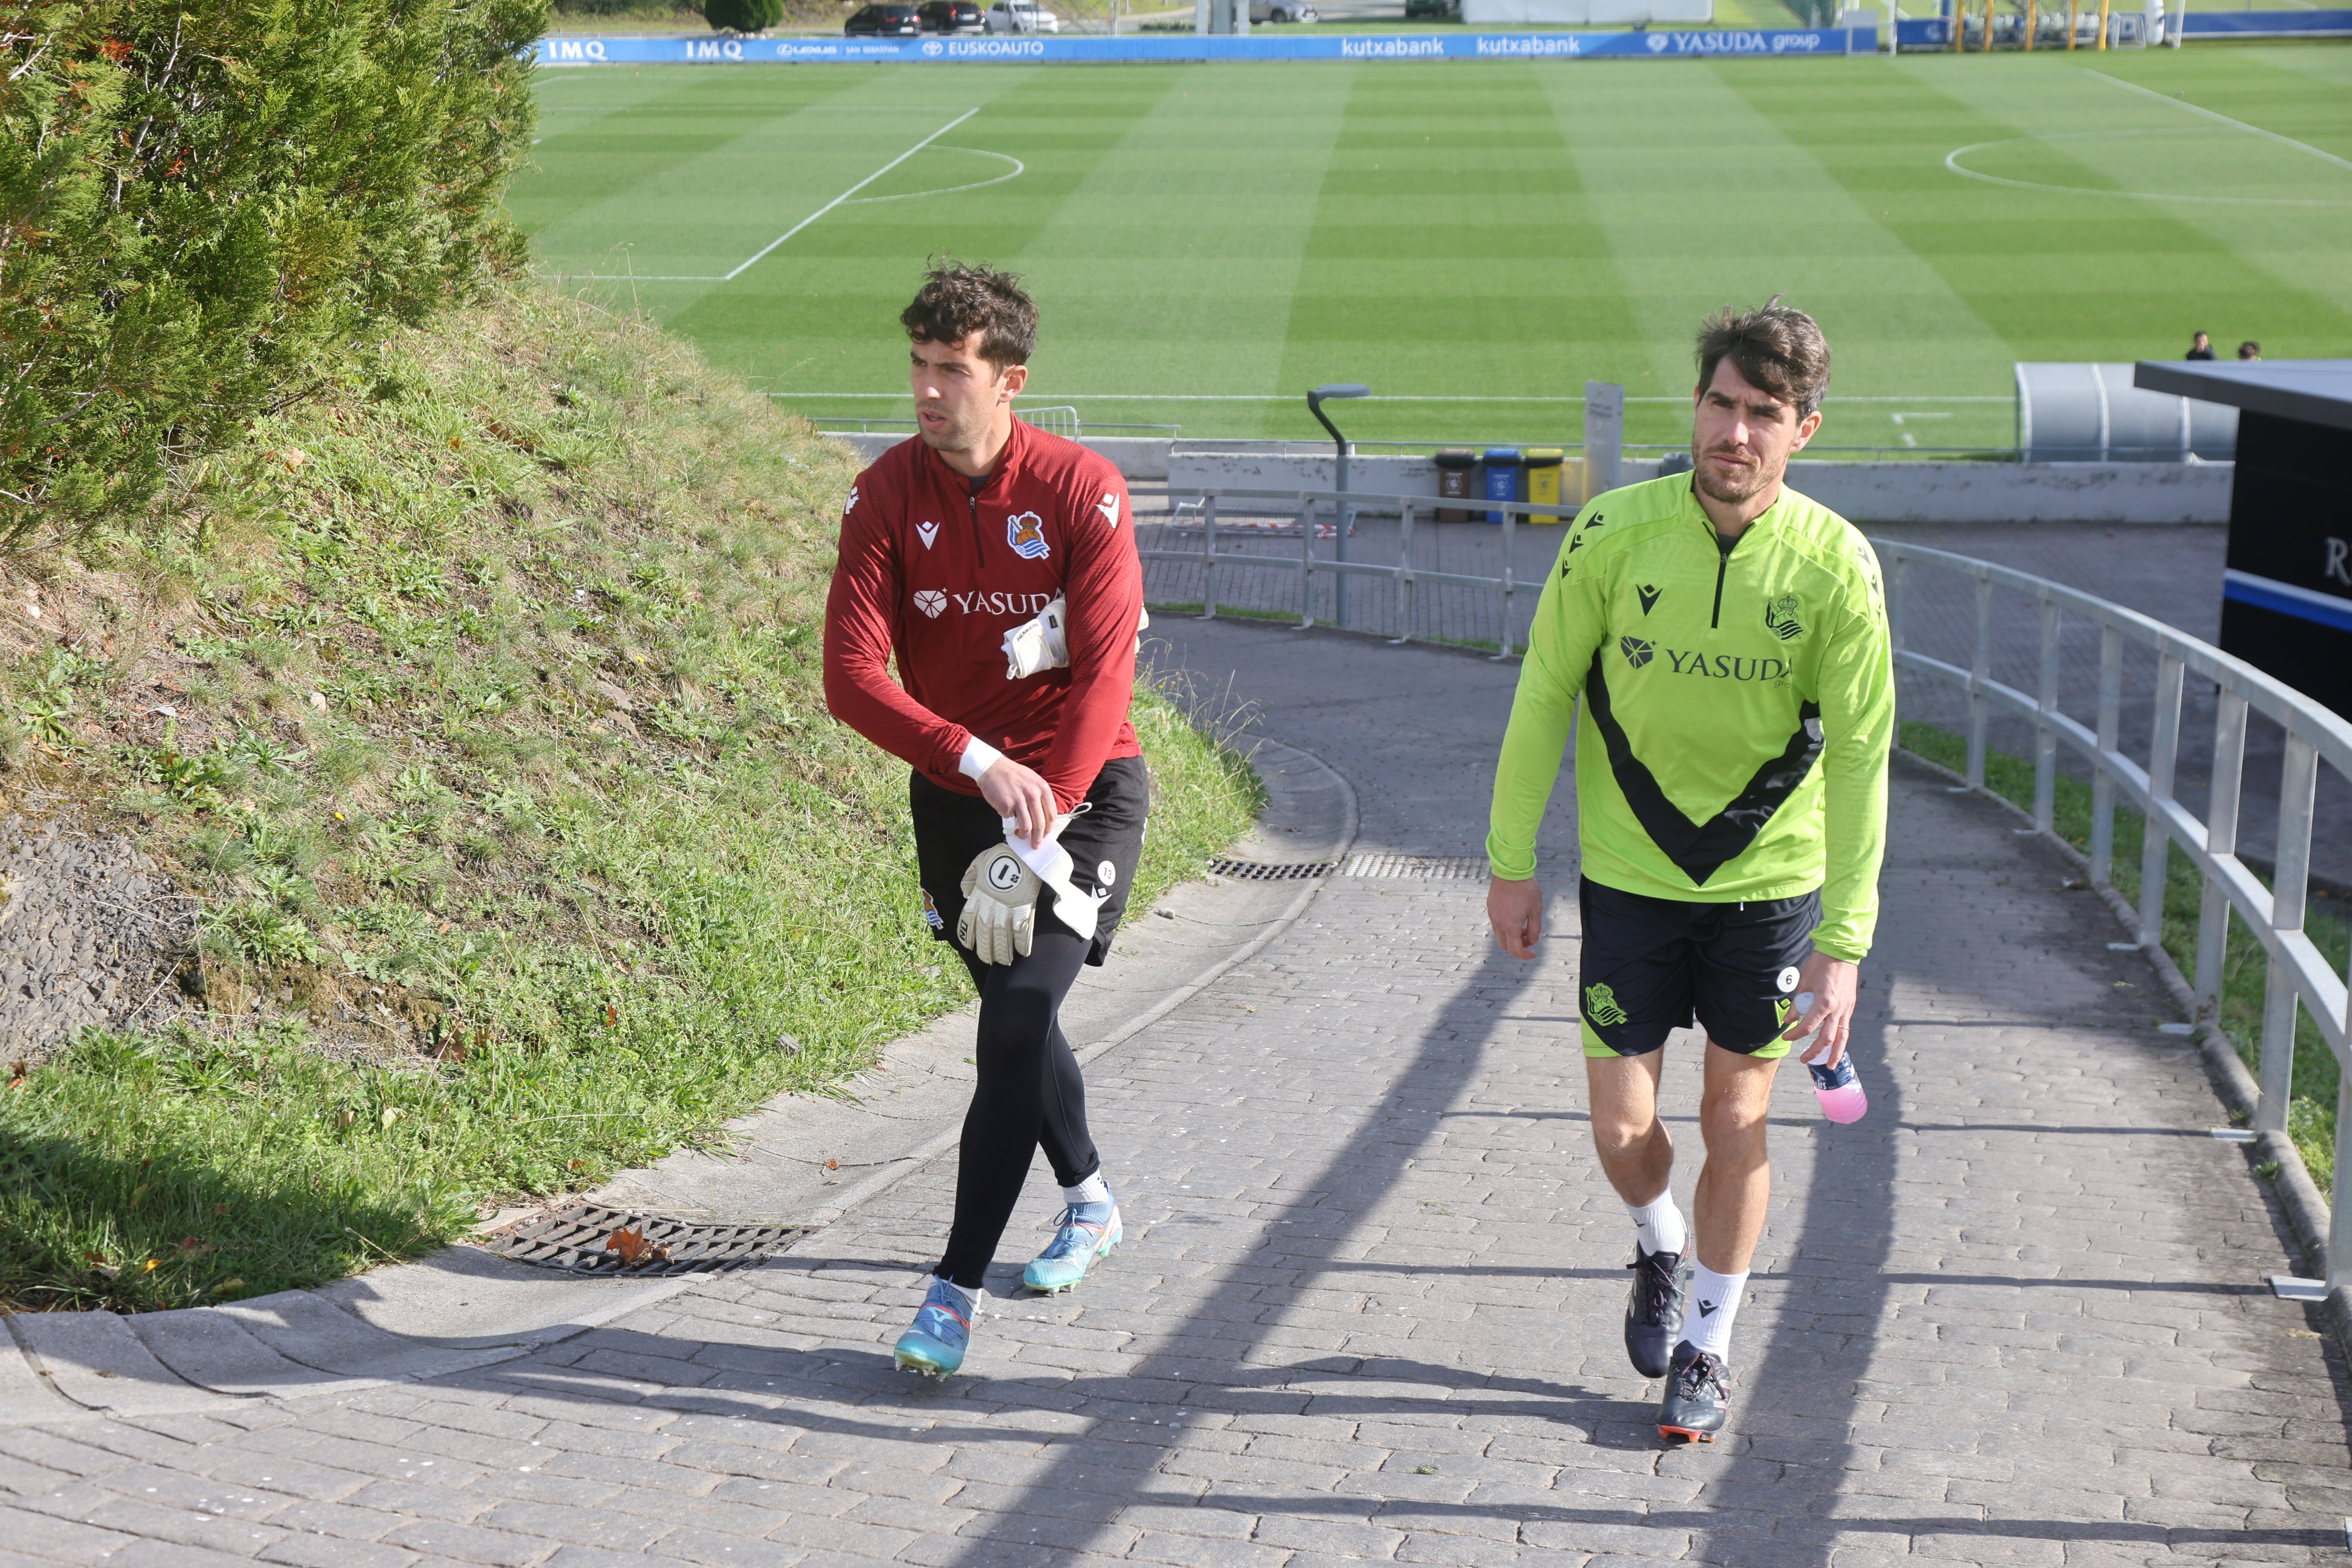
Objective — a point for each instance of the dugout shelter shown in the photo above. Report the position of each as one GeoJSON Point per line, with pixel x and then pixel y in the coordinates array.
{"type": "Point", "coordinates": [2286, 595]}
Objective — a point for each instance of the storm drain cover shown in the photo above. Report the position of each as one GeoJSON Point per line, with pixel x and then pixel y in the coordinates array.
{"type": "Point", "coordinates": [1414, 867]}
{"type": "Point", "coordinates": [1258, 872]}
{"type": "Point", "coordinates": [583, 1239]}
{"type": "Point", "coordinates": [1418, 868]}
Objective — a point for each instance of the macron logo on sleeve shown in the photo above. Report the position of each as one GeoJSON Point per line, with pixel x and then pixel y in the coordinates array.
{"type": "Point", "coordinates": [1108, 507]}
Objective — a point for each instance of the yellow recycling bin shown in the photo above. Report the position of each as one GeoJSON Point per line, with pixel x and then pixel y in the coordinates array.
{"type": "Point", "coordinates": [1543, 473]}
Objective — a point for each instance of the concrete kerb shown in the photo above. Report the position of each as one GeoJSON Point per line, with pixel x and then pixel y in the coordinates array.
{"type": "Point", "coordinates": [70, 1366]}
{"type": "Point", "coordinates": [2308, 1215]}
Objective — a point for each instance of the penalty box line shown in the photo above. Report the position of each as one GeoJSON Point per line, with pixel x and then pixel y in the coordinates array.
{"type": "Point", "coordinates": [762, 253]}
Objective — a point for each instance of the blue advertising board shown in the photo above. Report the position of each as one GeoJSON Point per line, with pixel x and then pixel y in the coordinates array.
{"type": "Point", "coordinates": [2267, 24]}
{"type": "Point", "coordinates": [1034, 48]}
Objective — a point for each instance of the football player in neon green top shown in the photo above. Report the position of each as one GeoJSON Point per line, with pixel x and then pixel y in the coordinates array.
{"type": "Point", "coordinates": [1728, 639]}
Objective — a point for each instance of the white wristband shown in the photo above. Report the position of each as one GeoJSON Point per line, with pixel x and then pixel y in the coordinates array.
{"type": "Point", "coordinates": [979, 756]}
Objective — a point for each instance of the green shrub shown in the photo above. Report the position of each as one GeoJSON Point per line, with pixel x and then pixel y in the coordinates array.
{"type": "Point", "coordinates": [198, 196]}
{"type": "Point", "coordinates": [743, 15]}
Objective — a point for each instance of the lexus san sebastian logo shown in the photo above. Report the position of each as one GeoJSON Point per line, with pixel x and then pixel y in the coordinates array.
{"type": "Point", "coordinates": [931, 602]}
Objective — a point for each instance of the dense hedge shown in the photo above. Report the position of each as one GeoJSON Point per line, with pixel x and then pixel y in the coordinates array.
{"type": "Point", "coordinates": [196, 196]}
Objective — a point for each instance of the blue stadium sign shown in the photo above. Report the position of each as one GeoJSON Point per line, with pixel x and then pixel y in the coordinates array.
{"type": "Point", "coordinates": [1031, 49]}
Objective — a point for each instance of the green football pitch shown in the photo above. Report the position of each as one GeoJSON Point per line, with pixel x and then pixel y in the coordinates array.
{"type": "Point", "coordinates": [1474, 241]}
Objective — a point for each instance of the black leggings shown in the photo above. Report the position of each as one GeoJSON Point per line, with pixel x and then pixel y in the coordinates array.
{"type": "Point", "coordinates": [1029, 1093]}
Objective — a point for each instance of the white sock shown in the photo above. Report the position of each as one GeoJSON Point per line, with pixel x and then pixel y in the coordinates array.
{"type": "Point", "coordinates": [1093, 1190]}
{"type": "Point", "coordinates": [1659, 1224]}
{"type": "Point", "coordinates": [1707, 1311]}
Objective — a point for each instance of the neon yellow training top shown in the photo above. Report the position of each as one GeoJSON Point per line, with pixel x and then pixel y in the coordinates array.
{"type": "Point", "coordinates": [1738, 708]}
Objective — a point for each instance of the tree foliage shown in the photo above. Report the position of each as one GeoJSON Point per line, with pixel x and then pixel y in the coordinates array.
{"type": "Point", "coordinates": [198, 197]}
{"type": "Point", "coordinates": [743, 15]}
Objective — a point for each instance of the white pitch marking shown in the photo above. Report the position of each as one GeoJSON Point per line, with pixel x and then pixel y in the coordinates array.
{"type": "Point", "coordinates": [1019, 169]}
{"type": "Point", "coordinates": [2210, 114]}
{"type": "Point", "coordinates": [1952, 161]}
{"type": "Point", "coordinates": [853, 190]}
{"type": "Point", "coordinates": [765, 249]}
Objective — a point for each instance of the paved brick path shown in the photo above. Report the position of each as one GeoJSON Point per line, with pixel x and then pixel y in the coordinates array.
{"type": "Point", "coordinates": [1369, 1305]}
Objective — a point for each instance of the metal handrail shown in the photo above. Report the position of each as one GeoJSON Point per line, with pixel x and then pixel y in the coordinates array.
{"type": "Point", "coordinates": [2299, 975]}
{"type": "Point", "coordinates": [1343, 503]}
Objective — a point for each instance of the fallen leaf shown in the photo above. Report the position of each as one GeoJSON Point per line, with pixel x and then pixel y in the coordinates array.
{"type": "Point", "coordinates": [635, 1249]}
{"type": "Point", "coordinates": [138, 1192]}
{"type": "Point", "coordinates": [611, 1015]}
{"type": "Point", "coordinates": [150, 1266]}
{"type": "Point", "coordinates": [833, 1165]}
{"type": "Point", "coordinates": [219, 1209]}
{"type": "Point", "coordinates": [226, 1286]}
{"type": "Point", "coordinates": [391, 1113]}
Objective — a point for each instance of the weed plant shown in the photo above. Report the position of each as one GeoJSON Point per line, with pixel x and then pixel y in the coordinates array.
{"type": "Point", "coordinates": [479, 700]}
{"type": "Point", "coordinates": [2311, 1113]}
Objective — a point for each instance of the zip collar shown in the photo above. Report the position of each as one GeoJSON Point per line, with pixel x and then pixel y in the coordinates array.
{"type": "Point", "coordinates": [1770, 517]}
{"type": "Point", "coordinates": [1011, 463]}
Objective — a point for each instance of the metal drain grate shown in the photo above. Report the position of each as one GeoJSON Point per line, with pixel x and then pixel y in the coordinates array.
{"type": "Point", "coordinates": [1419, 868]}
{"type": "Point", "coordinates": [574, 1239]}
{"type": "Point", "coordinates": [1257, 872]}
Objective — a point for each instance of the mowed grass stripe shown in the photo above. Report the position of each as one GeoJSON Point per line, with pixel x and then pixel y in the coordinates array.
{"type": "Point", "coordinates": [1220, 178]}
{"type": "Point", "coordinates": [1454, 251]}
{"type": "Point", "coordinates": [2057, 276]}
{"type": "Point", "coordinates": [1706, 202]}
{"type": "Point", "coordinates": [822, 314]}
{"type": "Point", "coordinates": [613, 136]}
{"type": "Point", "coordinates": [2136, 141]}
{"type": "Point", "coordinates": [711, 191]}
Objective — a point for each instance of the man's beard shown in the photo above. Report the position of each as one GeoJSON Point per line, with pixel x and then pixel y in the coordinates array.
{"type": "Point", "coordinates": [1762, 477]}
{"type": "Point", "coordinates": [962, 433]}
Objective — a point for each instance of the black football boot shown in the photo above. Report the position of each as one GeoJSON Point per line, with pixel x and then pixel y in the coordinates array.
{"type": "Point", "coordinates": [1654, 1311]}
{"type": "Point", "coordinates": [1696, 1398]}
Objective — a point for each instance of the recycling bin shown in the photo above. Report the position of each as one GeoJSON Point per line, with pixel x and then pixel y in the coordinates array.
{"type": "Point", "coordinates": [1454, 466]}
{"type": "Point", "coordinates": [1544, 468]}
{"type": "Point", "coordinates": [1502, 476]}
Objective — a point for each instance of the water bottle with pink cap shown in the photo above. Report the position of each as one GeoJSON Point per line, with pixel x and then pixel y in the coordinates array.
{"type": "Point", "coordinates": [1838, 1088]}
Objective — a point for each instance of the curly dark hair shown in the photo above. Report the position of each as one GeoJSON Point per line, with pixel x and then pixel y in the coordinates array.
{"type": "Point", "coordinates": [956, 300]}
{"type": "Point", "coordinates": [1778, 348]}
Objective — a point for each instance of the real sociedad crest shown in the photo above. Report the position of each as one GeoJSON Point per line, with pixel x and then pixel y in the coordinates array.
{"type": "Point", "coordinates": [1026, 532]}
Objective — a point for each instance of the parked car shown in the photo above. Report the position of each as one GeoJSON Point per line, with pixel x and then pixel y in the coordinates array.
{"type": "Point", "coordinates": [1444, 10]}
{"type": "Point", "coordinates": [1022, 16]}
{"type": "Point", "coordinates": [885, 21]}
{"type": "Point", "coordinates": [1281, 11]}
{"type": "Point", "coordinates": [952, 16]}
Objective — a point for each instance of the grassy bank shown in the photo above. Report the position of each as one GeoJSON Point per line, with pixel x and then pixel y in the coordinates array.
{"type": "Point", "coordinates": [2311, 1113]}
{"type": "Point", "coordinates": [477, 697]}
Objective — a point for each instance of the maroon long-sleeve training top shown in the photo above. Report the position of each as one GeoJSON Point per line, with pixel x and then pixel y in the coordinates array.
{"type": "Point", "coordinates": [938, 573]}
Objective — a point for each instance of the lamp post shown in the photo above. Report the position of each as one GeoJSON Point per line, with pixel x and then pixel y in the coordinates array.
{"type": "Point", "coordinates": [1315, 400]}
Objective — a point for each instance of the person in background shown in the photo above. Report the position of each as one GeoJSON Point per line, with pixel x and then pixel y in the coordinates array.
{"type": "Point", "coordinates": [2200, 347]}
{"type": "Point", "coordinates": [2250, 350]}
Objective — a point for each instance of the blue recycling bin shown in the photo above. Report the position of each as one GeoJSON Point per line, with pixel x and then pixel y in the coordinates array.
{"type": "Point", "coordinates": [1502, 476]}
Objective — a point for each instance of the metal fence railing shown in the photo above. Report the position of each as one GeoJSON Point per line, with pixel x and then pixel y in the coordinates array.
{"type": "Point", "coordinates": [2300, 977]}
{"type": "Point", "coordinates": [1297, 553]}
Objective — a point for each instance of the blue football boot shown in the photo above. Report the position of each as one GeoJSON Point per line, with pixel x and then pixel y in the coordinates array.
{"type": "Point", "coordinates": [1085, 1232]}
{"type": "Point", "coordinates": [934, 1346]}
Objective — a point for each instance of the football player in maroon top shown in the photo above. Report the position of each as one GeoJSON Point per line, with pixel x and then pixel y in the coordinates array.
{"type": "Point", "coordinates": [998, 563]}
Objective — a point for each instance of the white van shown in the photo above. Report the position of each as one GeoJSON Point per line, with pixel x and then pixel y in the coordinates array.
{"type": "Point", "coordinates": [1022, 16]}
